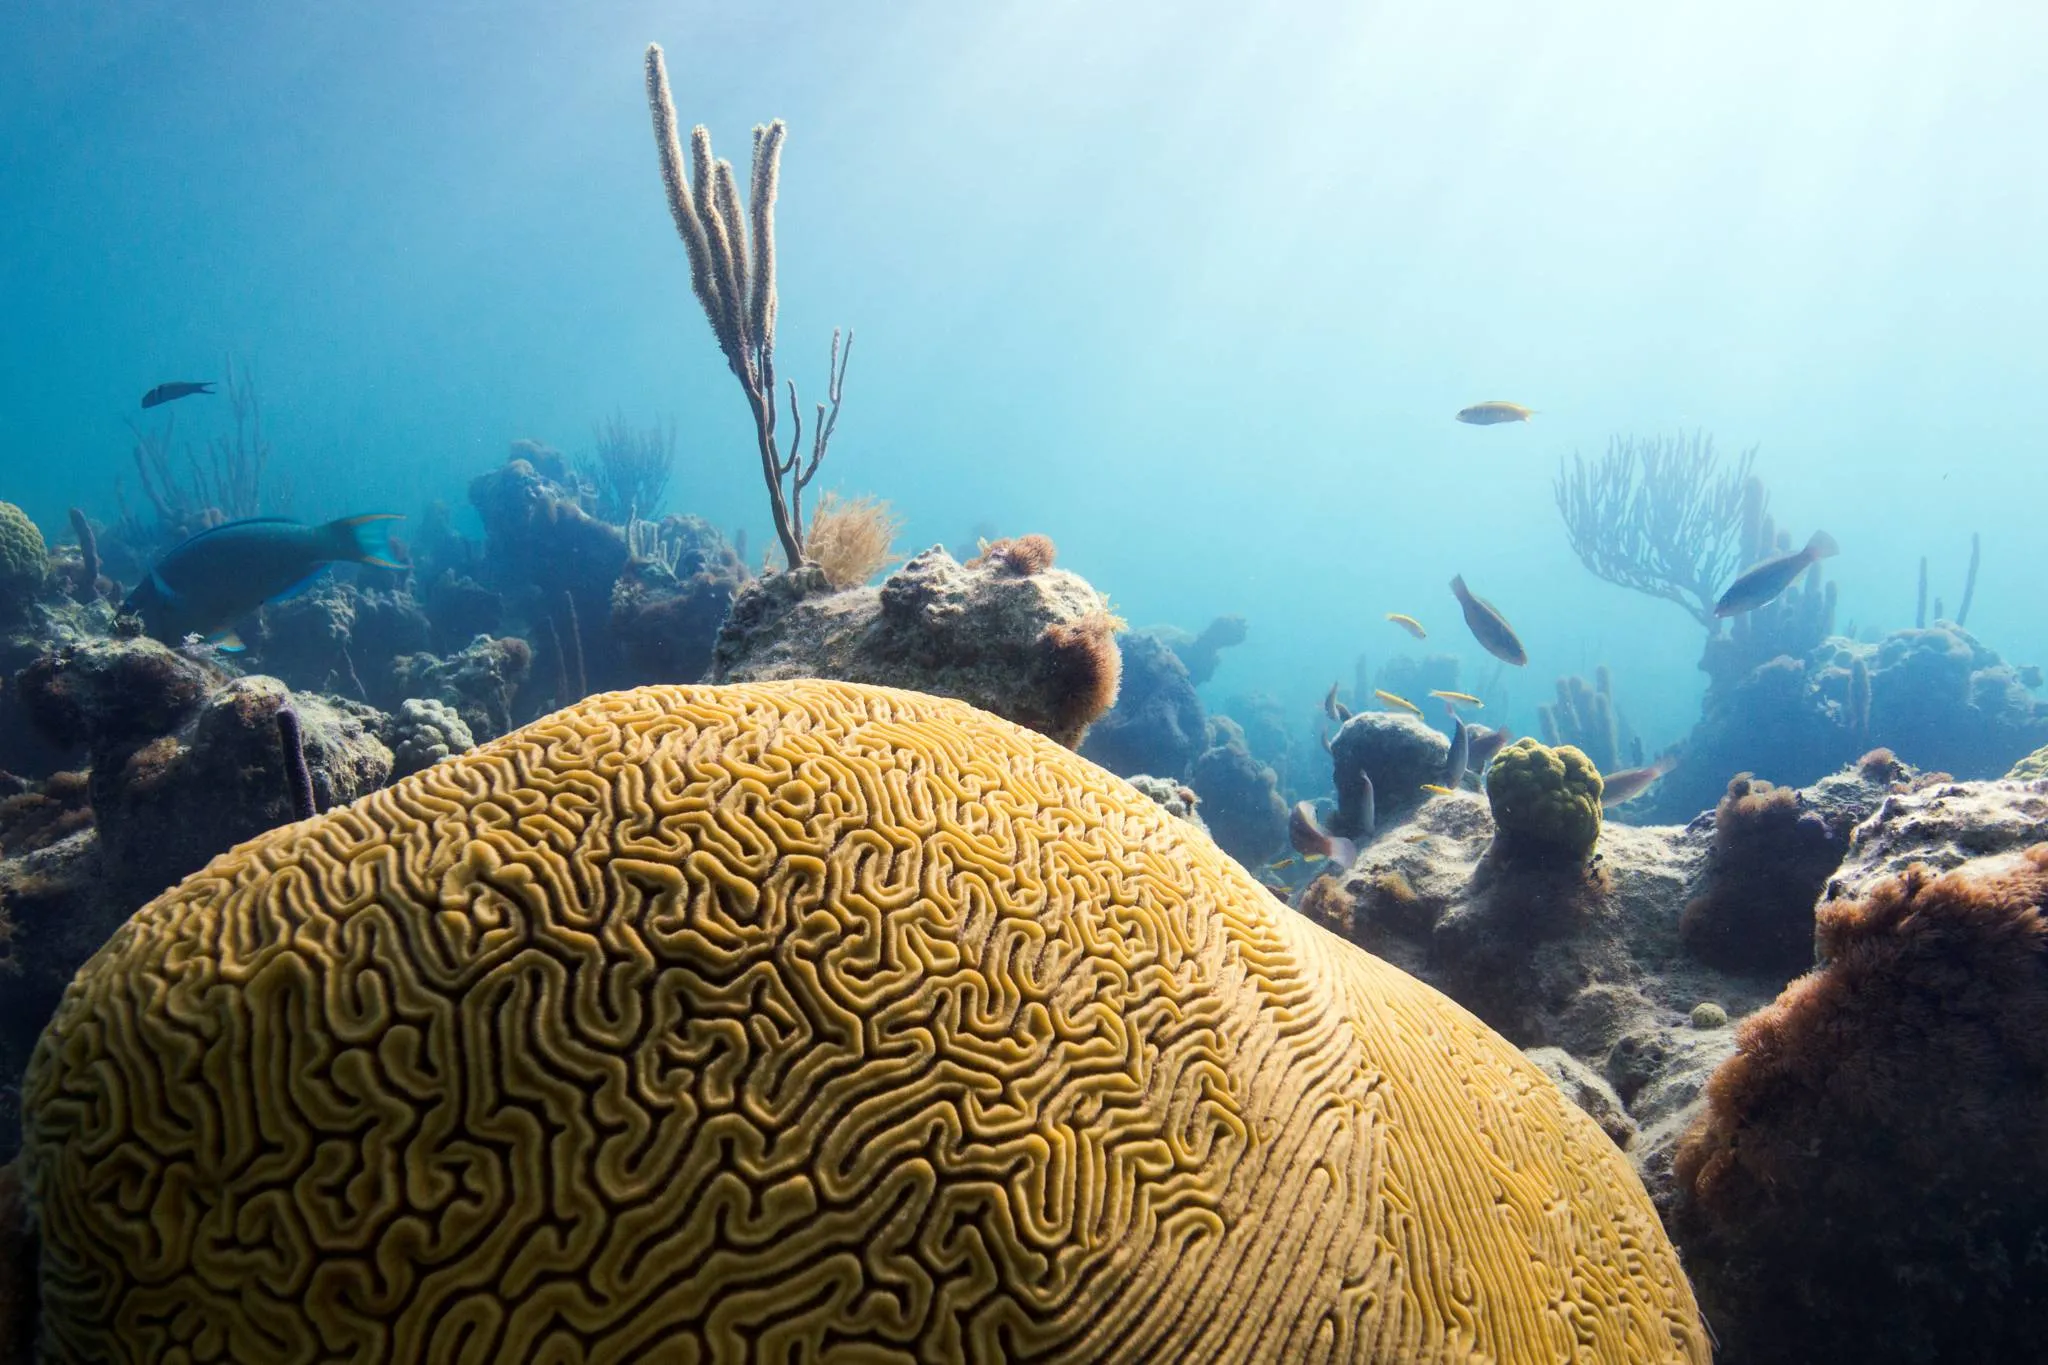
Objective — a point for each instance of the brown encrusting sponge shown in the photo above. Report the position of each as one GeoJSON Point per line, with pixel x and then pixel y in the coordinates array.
{"type": "Point", "coordinates": [799, 1021]}
{"type": "Point", "coordinates": [1870, 1181]}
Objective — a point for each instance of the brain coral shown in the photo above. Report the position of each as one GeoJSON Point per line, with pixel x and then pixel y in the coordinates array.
{"type": "Point", "coordinates": [24, 558]}
{"type": "Point", "coordinates": [795, 1021]}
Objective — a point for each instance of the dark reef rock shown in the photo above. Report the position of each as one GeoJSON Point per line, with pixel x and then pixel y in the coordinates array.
{"type": "Point", "coordinates": [1868, 1182]}
{"type": "Point", "coordinates": [1240, 796]}
{"type": "Point", "coordinates": [1157, 725]}
{"type": "Point", "coordinates": [1398, 752]}
{"type": "Point", "coordinates": [1038, 649]}
{"type": "Point", "coordinates": [482, 682]}
{"type": "Point", "coordinates": [1937, 697]}
{"type": "Point", "coordinates": [666, 626]}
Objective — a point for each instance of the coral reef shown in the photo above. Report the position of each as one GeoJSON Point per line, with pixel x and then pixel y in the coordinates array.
{"type": "Point", "coordinates": [24, 561]}
{"type": "Point", "coordinates": [42, 813]}
{"type": "Point", "coordinates": [1202, 652]}
{"type": "Point", "coordinates": [667, 625]}
{"type": "Point", "coordinates": [1937, 697]}
{"type": "Point", "coordinates": [1869, 1182]}
{"type": "Point", "coordinates": [482, 682]}
{"type": "Point", "coordinates": [1158, 724]}
{"type": "Point", "coordinates": [1174, 798]}
{"type": "Point", "coordinates": [541, 543]}
{"type": "Point", "coordinates": [1545, 802]}
{"type": "Point", "coordinates": [628, 469]}
{"type": "Point", "coordinates": [423, 733]}
{"type": "Point", "coordinates": [1241, 801]}
{"type": "Point", "coordinates": [1397, 753]}
{"type": "Point", "coordinates": [1584, 716]}
{"type": "Point", "coordinates": [1771, 858]}
{"type": "Point", "coordinates": [1193, 1095]}
{"type": "Point", "coordinates": [1039, 649]}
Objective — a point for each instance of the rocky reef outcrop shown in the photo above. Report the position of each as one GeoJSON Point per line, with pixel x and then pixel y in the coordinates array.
{"type": "Point", "coordinates": [1038, 648]}
{"type": "Point", "coordinates": [1158, 724]}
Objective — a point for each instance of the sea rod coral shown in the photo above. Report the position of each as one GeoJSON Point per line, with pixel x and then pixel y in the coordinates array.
{"type": "Point", "coordinates": [809, 1015]}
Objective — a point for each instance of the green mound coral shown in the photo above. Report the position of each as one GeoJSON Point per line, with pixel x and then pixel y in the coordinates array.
{"type": "Point", "coordinates": [24, 559]}
{"type": "Point", "coordinates": [2034, 765]}
{"type": "Point", "coordinates": [1546, 802]}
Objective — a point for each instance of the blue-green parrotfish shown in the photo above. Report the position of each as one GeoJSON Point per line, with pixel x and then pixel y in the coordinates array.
{"type": "Point", "coordinates": [221, 575]}
{"type": "Point", "coordinates": [1762, 584]}
{"type": "Point", "coordinates": [182, 388]}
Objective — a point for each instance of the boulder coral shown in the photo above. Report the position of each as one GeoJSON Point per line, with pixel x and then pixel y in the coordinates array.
{"type": "Point", "coordinates": [1868, 1182]}
{"type": "Point", "coordinates": [1545, 801]}
{"type": "Point", "coordinates": [24, 560]}
{"type": "Point", "coordinates": [794, 1021]}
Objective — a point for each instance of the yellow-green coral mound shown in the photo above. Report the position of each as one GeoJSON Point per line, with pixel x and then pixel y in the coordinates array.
{"type": "Point", "coordinates": [1545, 801]}
{"type": "Point", "coordinates": [2033, 766]}
{"type": "Point", "coordinates": [795, 1021]}
{"type": "Point", "coordinates": [24, 559]}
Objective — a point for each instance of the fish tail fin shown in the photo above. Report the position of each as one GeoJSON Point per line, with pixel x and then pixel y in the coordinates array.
{"type": "Point", "coordinates": [358, 541]}
{"type": "Point", "coordinates": [1343, 853]}
{"type": "Point", "coordinates": [1458, 586]}
{"type": "Point", "coordinates": [1822, 546]}
{"type": "Point", "coordinates": [207, 387]}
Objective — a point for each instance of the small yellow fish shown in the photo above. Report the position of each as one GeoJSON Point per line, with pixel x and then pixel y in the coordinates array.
{"type": "Point", "coordinates": [1436, 789]}
{"type": "Point", "coordinates": [1409, 624]}
{"type": "Point", "coordinates": [1462, 698]}
{"type": "Point", "coordinates": [1486, 414]}
{"type": "Point", "coordinates": [1390, 699]}
{"type": "Point", "coordinates": [1280, 866]}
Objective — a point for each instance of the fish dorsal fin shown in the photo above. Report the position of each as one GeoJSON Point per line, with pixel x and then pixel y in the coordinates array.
{"type": "Point", "coordinates": [212, 531]}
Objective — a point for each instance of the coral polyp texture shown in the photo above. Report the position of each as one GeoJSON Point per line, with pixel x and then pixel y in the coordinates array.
{"type": "Point", "coordinates": [797, 1021]}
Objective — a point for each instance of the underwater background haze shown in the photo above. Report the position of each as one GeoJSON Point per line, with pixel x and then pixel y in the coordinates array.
{"type": "Point", "coordinates": [1194, 288]}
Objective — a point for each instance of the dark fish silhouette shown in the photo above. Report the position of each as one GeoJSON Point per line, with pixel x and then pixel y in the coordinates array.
{"type": "Point", "coordinates": [1311, 840]}
{"type": "Point", "coordinates": [1764, 582]}
{"type": "Point", "coordinates": [1486, 414]}
{"type": "Point", "coordinates": [184, 388]}
{"type": "Point", "coordinates": [1461, 752]}
{"type": "Point", "coordinates": [1489, 627]}
{"type": "Point", "coordinates": [1626, 786]}
{"type": "Point", "coordinates": [1481, 745]}
{"type": "Point", "coordinates": [219, 576]}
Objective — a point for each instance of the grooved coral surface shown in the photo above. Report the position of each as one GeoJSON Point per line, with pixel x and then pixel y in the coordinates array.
{"type": "Point", "coordinates": [798, 1021]}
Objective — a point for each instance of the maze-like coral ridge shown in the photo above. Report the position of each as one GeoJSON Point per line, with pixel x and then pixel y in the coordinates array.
{"type": "Point", "coordinates": [798, 1021]}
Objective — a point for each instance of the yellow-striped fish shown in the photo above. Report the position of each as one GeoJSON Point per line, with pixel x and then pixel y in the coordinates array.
{"type": "Point", "coordinates": [1436, 789]}
{"type": "Point", "coordinates": [1409, 624]}
{"type": "Point", "coordinates": [1280, 866]}
{"type": "Point", "coordinates": [1390, 699]}
{"type": "Point", "coordinates": [1462, 698]}
{"type": "Point", "coordinates": [1487, 414]}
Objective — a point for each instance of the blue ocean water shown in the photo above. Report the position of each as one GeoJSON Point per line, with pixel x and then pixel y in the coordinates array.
{"type": "Point", "coordinates": [1193, 288]}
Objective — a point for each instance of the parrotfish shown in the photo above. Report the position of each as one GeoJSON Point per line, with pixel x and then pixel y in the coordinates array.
{"type": "Point", "coordinates": [1409, 624]}
{"type": "Point", "coordinates": [1483, 745]}
{"type": "Point", "coordinates": [1402, 702]}
{"type": "Point", "coordinates": [1488, 626]}
{"type": "Point", "coordinates": [183, 388]}
{"type": "Point", "coordinates": [221, 575]}
{"type": "Point", "coordinates": [1310, 840]}
{"type": "Point", "coordinates": [1616, 788]}
{"type": "Point", "coordinates": [1762, 584]}
{"type": "Point", "coordinates": [1486, 414]}
{"type": "Point", "coordinates": [1461, 752]}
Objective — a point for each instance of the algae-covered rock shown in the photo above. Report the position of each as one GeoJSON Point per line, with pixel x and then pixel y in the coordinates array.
{"type": "Point", "coordinates": [1037, 648]}
{"type": "Point", "coordinates": [1545, 801]}
{"type": "Point", "coordinates": [424, 732]}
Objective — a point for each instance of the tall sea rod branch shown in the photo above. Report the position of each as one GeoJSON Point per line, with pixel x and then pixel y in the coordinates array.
{"type": "Point", "coordinates": [732, 273]}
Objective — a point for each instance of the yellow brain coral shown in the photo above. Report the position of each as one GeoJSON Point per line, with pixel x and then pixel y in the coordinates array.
{"type": "Point", "coordinates": [798, 1021]}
